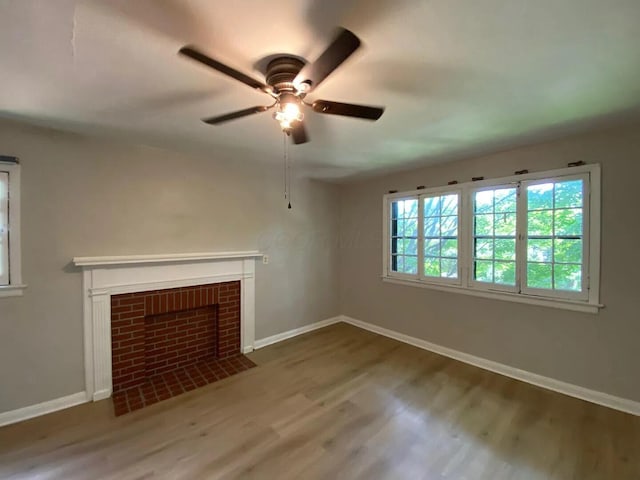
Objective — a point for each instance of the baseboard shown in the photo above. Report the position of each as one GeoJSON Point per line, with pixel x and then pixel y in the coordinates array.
{"type": "Point", "coordinates": [263, 342]}
{"type": "Point", "coordinates": [25, 413]}
{"type": "Point", "coordinates": [593, 396]}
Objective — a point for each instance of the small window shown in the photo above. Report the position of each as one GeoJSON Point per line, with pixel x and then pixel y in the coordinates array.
{"type": "Point", "coordinates": [10, 271]}
{"type": "Point", "coordinates": [555, 236]}
{"type": "Point", "coordinates": [404, 236]}
{"type": "Point", "coordinates": [440, 225]}
{"type": "Point", "coordinates": [494, 237]}
{"type": "Point", "coordinates": [4, 228]}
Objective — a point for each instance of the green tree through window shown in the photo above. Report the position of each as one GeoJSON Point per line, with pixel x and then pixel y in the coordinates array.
{"type": "Point", "coordinates": [555, 235]}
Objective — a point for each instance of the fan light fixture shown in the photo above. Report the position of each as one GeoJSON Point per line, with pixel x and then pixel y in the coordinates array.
{"type": "Point", "coordinates": [288, 111]}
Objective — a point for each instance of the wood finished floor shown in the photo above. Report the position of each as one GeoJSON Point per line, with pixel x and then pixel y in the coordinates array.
{"type": "Point", "coordinates": [338, 403]}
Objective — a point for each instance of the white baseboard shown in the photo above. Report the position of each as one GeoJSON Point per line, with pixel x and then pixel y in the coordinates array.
{"type": "Point", "coordinates": [25, 413]}
{"type": "Point", "coordinates": [593, 396]}
{"type": "Point", "coordinates": [263, 342]}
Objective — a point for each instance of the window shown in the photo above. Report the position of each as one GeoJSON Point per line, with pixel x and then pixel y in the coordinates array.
{"type": "Point", "coordinates": [494, 237]}
{"type": "Point", "coordinates": [4, 228]}
{"type": "Point", "coordinates": [404, 236]}
{"type": "Point", "coordinates": [10, 274]}
{"type": "Point", "coordinates": [440, 220]}
{"type": "Point", "coordinates": [555, 237]}
{"type": "Point", "coordinates": [532, 238]}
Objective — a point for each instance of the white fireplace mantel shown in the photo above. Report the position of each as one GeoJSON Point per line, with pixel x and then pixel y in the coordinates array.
{"type": "Point", "coordinates": [113, 275]}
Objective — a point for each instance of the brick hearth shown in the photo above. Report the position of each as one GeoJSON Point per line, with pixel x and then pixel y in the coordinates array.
{"type": "Point", "coordinates": [166, 342]}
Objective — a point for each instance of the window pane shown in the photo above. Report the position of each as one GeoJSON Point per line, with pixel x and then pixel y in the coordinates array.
{"type": "Point", "coordinates": [449, 268]}
{"type": "Point", "coordinates": [540, 223]}
{"type": "Point", "coordinates": [505, 224]}
{"type": "Point", "coordinates": [568, 221]}
{"type": "Point", "coordinates": [410, 227]}
{"type": "Point", "coordinates": [409, 246]}
{"type": "Point", "coordinates": [432, 267]}
{"type": "Point", "coordinates": [450, 205]}
{"type": "Point", "coordinates": [441, 235]}
{"type": "Point", "coordinates": [484, 224]}
{"type": "Point", "coordinates": [567, 251]}
{"type": "Point", "coordinates": [484, 248]}
{"type": "Point", "coordinates": [505, 273]}
{"type": "Point", "coordinates": [540, 196]}
{"type": "Point", "coordinates": [505, 249]}
{"type": "Point", "coordinates": [568, 194]}
{"type": "Point", "coordinates": [449, 248]}
{"type": "Point", "coordinates": [432, 207]}
{"type": "Point", "coordinates": [411, 265]}
{"type": "Point", "coordinates": [484, 271]}
{"type": "Point", "coordinates": [449, 226]}
{"type": "Point", "coordinates": [432, 248]}
{"type": "Point", "coordinates": [540, 250]}
{"type": "Point", "coordinates": [568, 277]}
{"type": "Point", "coordinates": [397, 264]}
{"type": "Point", "coordinates": [484, 201]}
{"type": "Point", "coordinates": [505, 200]}
{"type": "Point", "coordinates": [539, 275]}
{"type": "Point", "coordinates": [432, 226]}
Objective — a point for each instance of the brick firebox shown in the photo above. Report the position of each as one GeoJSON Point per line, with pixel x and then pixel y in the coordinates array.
{"type": "Point", "coordinates": [155, 332]}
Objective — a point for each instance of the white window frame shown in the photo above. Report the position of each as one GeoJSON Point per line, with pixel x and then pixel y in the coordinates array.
{"type": "Point", "coordinates": [586, 301]}
{"type": "Point", "coordinates": [14, 287]}
{"type": "Point", "coordinates": [432, 192]}
{"type": "Point", "coordinates": [586, 220]}
{"type": "Point", "coordinates": [491, 287]}
{"type": "Point", "coordinates": [388, 256]}
{"type": "Point", "coordinates": [436, 192]}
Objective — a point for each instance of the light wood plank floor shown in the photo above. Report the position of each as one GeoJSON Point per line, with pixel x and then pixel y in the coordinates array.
{"type": "Point", "coordinates": [339, 403]}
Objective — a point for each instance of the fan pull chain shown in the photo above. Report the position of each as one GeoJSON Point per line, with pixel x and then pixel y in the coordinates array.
{"type": "Point", "coordinates": [284, 149]}
{"type": "Point", "coordinates": [289, 170]}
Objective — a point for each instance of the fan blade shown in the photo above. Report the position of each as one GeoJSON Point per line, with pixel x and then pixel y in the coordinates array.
{"type": "Point", "coordinates": [299, 133]}
{"type": "Point", "coordinates": [233, 115]}
{"type": "Point", "coordinates": [348, 109]}
{"type": "Point", "coordinates": [198, 56]}
{"type": "Point", "coordinates": [343, 45]}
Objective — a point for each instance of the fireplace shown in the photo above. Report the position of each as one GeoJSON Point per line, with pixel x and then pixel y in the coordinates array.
{"type": "Point", "coordinates": [166, 342]}
{"type": "Point", "coordinates": [182, 318]}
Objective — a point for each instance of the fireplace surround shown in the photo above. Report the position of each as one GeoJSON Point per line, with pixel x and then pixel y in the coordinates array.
{"type": "Point", "coordinates": [107, 277]}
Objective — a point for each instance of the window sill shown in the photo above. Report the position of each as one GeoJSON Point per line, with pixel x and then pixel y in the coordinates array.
{"type": "Point", "coordinates": [12, 290]}
{"type": "Point", "coordinates": [574, 305]}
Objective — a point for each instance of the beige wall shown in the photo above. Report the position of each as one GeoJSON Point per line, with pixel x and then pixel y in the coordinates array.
{"type": "Point", "coordinates": [81, 196]}
{"type": "Point", "coordinates": [594, 351]}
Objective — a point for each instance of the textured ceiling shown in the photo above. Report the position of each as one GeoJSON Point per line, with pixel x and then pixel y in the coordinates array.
{"type": "Point", "coordinates": [457, 77]}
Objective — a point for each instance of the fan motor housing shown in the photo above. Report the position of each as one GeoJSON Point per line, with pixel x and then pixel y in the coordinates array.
{"type": "Point", "coordinates": [281, 71]}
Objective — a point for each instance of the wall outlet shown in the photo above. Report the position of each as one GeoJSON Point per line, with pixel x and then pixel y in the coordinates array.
{"type": "Point", "coordinates": [265, 259]}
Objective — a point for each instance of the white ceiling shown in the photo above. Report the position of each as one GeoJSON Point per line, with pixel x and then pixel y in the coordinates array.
{"type": "Point", "coordinates": [457, 77]}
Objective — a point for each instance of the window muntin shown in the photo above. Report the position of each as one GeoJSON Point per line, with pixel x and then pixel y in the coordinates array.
{"type": "Point", "coordinates": [556, 243]}
{"type": "Point", "coordinates": [4, 228]}
{"type": "Point", "coordinates": [494, 237]}
{"type": "Point", "coordinates": [404, 236]}
{"type": "Point", "coordinates": [440, 235]}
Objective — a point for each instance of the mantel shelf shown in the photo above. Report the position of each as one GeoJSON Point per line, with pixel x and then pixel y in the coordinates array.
{"type": "Point", "coordinates": [161, 258]}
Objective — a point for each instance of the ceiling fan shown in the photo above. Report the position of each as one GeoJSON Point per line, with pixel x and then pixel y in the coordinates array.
{"type": "Point", "coordinates": [288, 80]}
